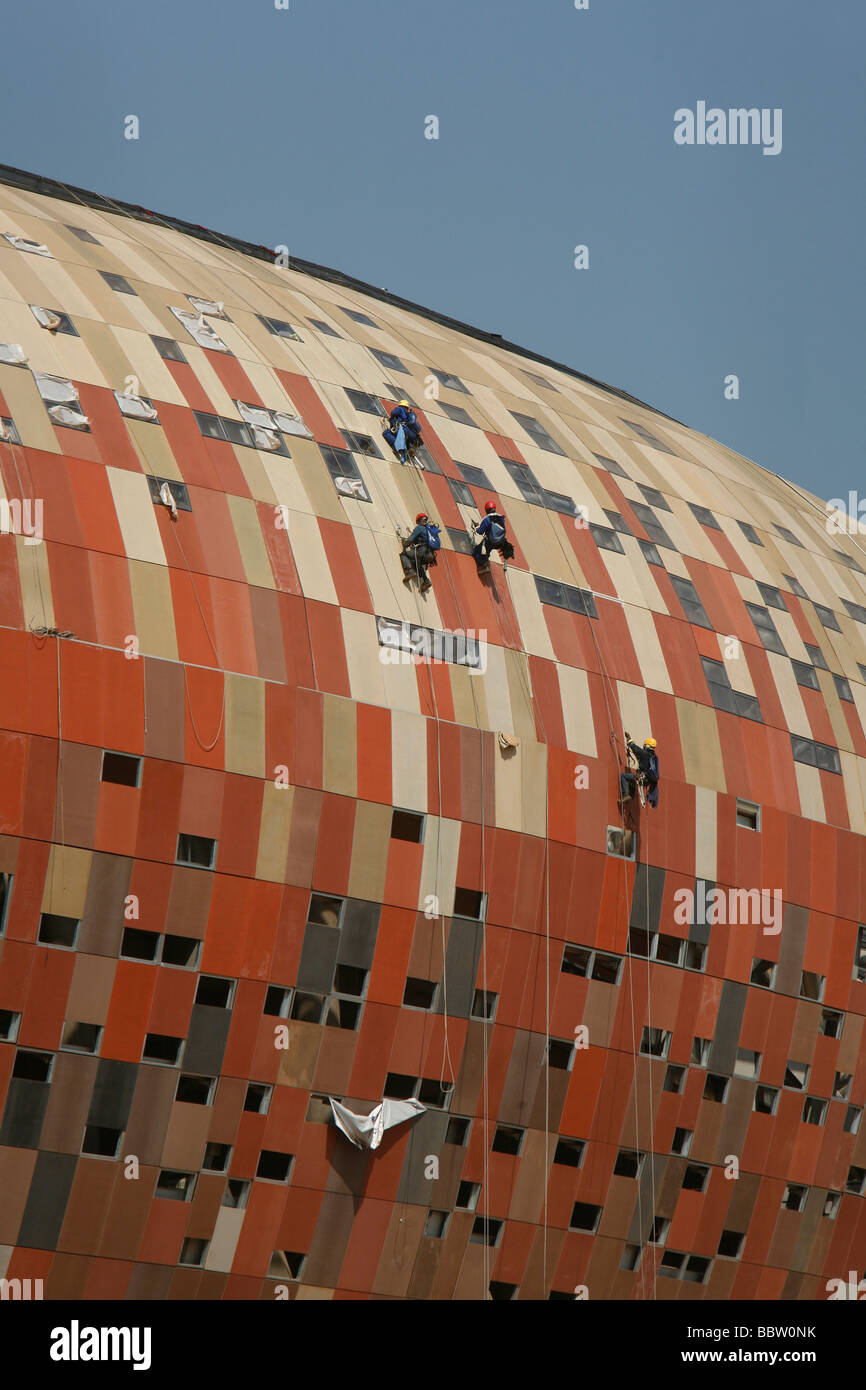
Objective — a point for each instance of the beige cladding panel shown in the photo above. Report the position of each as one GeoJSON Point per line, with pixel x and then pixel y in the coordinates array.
{"type": "Point", "coordinates": [409, 761]}
{"type": "Point", "coordinates": [439, 865]}
{"type": "Point", "coordinates": [136, 516]}
{"type": "Point", "coordinates": [66, 879]}
{"type": "Point", "coordinates": [702, 752]}
{"type": "Point", "coordinates": [276, 824]}
{"type": "Point", "coordinates": [339, 746]}
{"type": "Point", "coordinates": [370, 845]}
{"type": "Point", "coordinates": [706, 833]}
{"type": "Point", "coordinates": [153, 610]}
{"type": "Point", "coordinates": [245, 725]}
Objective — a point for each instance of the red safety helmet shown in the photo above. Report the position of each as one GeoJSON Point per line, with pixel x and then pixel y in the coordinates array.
{"type": "Point", "coordinates": [422, 516]}
{"type": "Point", "coordinates": [490, 506]}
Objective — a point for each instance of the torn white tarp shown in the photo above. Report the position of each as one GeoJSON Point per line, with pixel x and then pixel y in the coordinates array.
{"type": "Point", "coordinates": [291, 424]}
{"type": "Point", "coordinates": [70, 416]}
{"type": "Point", "coordinates": [12, 354]}
{"type": "Point", "coordinates": [365, 1131]}
{"type": "Point", "coordinates": [255, 415]}
{"type": "Point", "coordinates": [46, 317]}
{"type": "Point", "coordinates": [55, 388]}
{"type": "Point", "coordinates": [23, 243]}
{"type": "Point", "coordinates": [201, 331]}
{"type": "Point", "coordinates": [266, 439]}
{"type": "Point", "coordinates": [214, 307]}
{"type": "Point", "coordinates": [139, 407]}
{"type": "Point", "coordinates": [167, 498]}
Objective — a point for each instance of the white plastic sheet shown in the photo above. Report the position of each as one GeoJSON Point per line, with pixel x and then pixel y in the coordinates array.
{"type": "Point", "coordinates": [46, 317]}
{"type": "Point", "coordinates": [291, 424]}
{"type": "Point", "coordinates": [213, 307]}
{"type": "Point", "coordinates": [55, 389]}
{"type": "Point", "coordinates": [23, 243]}
{"type": "Point", "coordinates": [365, 1131]}
{"type": "Point", "coordinates": [135, 406]}
{"type": "Point", "coordinates": [12, 354]}
{"type": "Point", "coordinates": [255, 415]}
{"type": "Point", "coordinates": [201, 331]}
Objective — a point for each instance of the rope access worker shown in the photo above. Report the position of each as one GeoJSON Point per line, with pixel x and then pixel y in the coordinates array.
{"type": "Point", "coordinates": [419, 551]}
{"type": "Point", "coordinates": [490, 535]}
{"type": "Point", "coordinates": [404, 434]}
{"type": "Point", "coordinates": [647, 770]}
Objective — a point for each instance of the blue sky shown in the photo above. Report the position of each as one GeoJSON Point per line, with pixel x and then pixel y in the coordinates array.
{"type": "Point", "coordinates": [305, 127]}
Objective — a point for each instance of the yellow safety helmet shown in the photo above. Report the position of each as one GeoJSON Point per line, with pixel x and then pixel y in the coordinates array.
{"type": "Point", "coordinates": [649, 743]}
{"type": "Point", "coordinates": [404, 402]}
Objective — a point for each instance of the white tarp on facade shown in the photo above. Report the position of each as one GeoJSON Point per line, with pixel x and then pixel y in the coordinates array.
{"type": "Point", "coordinates": [365, 1131]}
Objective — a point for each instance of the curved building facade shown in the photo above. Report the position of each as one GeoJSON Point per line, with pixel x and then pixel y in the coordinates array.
{"type": "Point", "coordinates": [277, 830]}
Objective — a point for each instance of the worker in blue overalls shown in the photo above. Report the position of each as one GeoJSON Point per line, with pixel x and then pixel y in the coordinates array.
{"type": "Point", "coordinates": [647, 770]}
{"type": "Point", "coordinates": [404, 432]}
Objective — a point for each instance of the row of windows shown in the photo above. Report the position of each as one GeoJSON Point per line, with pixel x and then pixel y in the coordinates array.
{"type": "Point", "coordinates": [724, 697]}
{"type": "Point", "coordinates": [566, 596]}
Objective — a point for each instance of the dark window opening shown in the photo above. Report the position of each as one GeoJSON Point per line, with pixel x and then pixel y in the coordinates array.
{"type": "Point", "coordinates": [168, 349]}
{"type": "Point", "coordinates": [278, 327]}
{"type": "Point", "coordinates": [324, 911]}
{"type": "Point", "coordinates": [196, 850]}
{"type": "Point", "coordinates": [116, 282]}
{"type": "Point", "coordinates": [350, 979]}
{"type": "Point", "coordinates": [436, 1224]}
{"type": "Point", "coordinates": [419, 994]}
{"type": "Point", "coordinates": [177, 1187]}
{"type": "Point", "coordinates": [731, 1243]}
{"type": "Point", "coordinates": [399, 1086]}
{"type": "Point", "coordinates": [121, 768]}
{"type": "Point", "coordinates": [180, 950]}
{"type": "Point", "coordinates": [101, 1141]}
{"type": "Point", "coordinates": [307, 1008]}
{"type": "Point", "coordinates": [457, 1131]}
{"type": "Point", "coordinates": [407, 825]}
{"type": "Point", "coordinates": [467, 1195]}
{"type": "Point", "coordinates": [139, 945]}
{"type": "Point", "coordinates": [55, 930]}
{"type": "Point", "coordinates": [584, 1217]}
{"type": "Point", "coordinates": [236, 1193]}
{"type": "Point", "coordinates": [485, 1231]}
{"type": "Point", "coordinates": [32, 1066]}
{"type": "Point", "coordinates": [628, 1164]}
{"type": "Point", "coordinates": [569, 1152]}
{"type": "Point", "coordinates": [273, 1165]}
{"type": "Point", "coordinates": [431, 1092]}
{"type": "Point", "coordinates": [695, 1177]}
{"type": "Point", "coordinates": [195, 1090]}
{"type": "Point", "coordinates": [214, 991]}
{"type": "Point", "coordinates": [160, 1047]}
{"type": "Point", "coordinates": [715, 1088]}
{"type": "Point", "coordinates": [258, 1098]}
{"type": "Point", "coordinates": [559, 1054]}
{"type": "Point", "coordinates": [216, 1157]}
{"type": "Point", "coordinates": [484, 1004]}
{"type": "Point", "coordinates": [507, 1140]}
{"type": "Point", "coordinates": [469, 902]}
{"type": "Point", "coordinates": [277, 1001]}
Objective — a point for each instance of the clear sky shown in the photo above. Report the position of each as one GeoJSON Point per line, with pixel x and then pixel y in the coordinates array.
{"type": "Point", "coordinates": [305, 127]}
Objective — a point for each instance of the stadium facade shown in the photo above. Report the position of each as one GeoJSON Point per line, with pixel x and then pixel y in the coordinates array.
{"type": "Point", "coordinates": [277, 830]}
